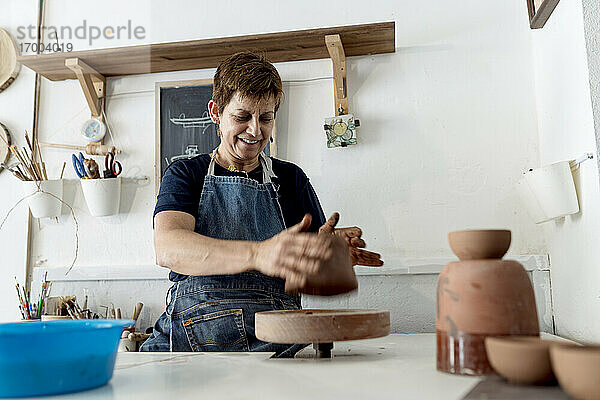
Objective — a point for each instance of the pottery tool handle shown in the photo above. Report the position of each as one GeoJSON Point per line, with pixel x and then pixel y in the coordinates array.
{"type": "Point", "coordinates": [138, 336]}
{"type": "Point", "coordinates": [118, 313]}
{"type": "Point", "coordinates": [98, 149]}
{"type": "Point", "coordinates": [92, 149]}
{"type": "Point", "coordinates": [137, 311]}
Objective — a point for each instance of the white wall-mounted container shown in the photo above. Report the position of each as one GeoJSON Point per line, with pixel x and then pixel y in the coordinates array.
{"type": "Point", "coordinates": [102, 195]}
{"type": "Point", "coordinates": [41, 204]}
{"type": "Point", "coordinates": [549, 191]}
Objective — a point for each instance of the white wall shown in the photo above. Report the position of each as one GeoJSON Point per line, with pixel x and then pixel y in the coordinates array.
{"type": "Point", "coordinates": [448, 122]}
{"type": "Point", "coordinates": [566, 131]}
{"type": "Point", "coordinates": [16, 105]}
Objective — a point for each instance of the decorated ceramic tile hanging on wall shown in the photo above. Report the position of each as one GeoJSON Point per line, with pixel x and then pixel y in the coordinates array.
{"type": "Point", "coordinates": [340, 130]}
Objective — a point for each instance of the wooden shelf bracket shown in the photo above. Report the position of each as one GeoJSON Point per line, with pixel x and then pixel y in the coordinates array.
{"type": "Point", "coordinates": [93, 84]}
{"type": "Point", "coordinates": [338, 57]}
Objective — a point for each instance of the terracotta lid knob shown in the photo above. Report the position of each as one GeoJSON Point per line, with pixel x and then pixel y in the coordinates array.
{"type": "Point", "coordinates": [479, 244]}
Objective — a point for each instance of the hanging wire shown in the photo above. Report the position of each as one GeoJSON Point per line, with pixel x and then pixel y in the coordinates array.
{"type": "Point", "coordinates": [322, 78]}
{"type": "Point", "coordinates": [40, 190]}
{"type": "Point", "coordinates": [112, 138]}
{"type": "Point", "coordinates": [126, 93]}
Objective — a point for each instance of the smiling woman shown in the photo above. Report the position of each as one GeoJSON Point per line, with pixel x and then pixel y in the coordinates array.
{"type": "Point", "coordinates": [238, 229]}
{"type": "Point", "coordinates": [245, 126]}
{"type": "Point", "coordinates": [244, 118]}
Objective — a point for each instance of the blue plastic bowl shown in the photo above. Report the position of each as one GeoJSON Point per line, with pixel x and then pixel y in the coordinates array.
{"type": "Point", "coordinates": [55, 357]}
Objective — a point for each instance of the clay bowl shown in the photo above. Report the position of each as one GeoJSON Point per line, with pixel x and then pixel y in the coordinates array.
{"type": "Point", "coordinates": [520, 359]}
{"type": "Point", "coordinates": [479, 244]}
{"type": "Point", "coordinates": [577, 369]}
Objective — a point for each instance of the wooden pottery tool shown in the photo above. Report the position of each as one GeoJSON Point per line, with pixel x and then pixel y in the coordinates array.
{"type": "Point", "coordinates": [137, 311]}
{"type": "Point", "coordinates": [92, 149]}
{"type": "Point", "coordinates": [138, 336]}
{"type": "Point", "coordinates": [321, 327]}
{"type": "Point", "coordinates": [91, 168]}
{"type": "Point", "coordinates": [9, 66]}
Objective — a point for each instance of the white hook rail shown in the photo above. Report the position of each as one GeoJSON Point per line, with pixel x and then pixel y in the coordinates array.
{"type": "Point", "coordinates": [575, 163]}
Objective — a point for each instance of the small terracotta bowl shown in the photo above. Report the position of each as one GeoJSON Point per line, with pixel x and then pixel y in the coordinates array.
{"type": "Point", "coordinates": [577, 369]}
{"type": "Point", "coordinates": [520, 359]}
{"type": "Point", "coordinates": [479, 244]}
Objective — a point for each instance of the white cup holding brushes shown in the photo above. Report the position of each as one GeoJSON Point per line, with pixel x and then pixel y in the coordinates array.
{"type": "Point", "coordinates": [41, 204]}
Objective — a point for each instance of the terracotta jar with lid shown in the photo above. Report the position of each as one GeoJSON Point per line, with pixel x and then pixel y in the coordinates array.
{"type": "Point", "coordinates": [481, 295]}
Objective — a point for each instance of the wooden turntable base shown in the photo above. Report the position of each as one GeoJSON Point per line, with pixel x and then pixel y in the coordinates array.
{"type": "Point", "coordinates": [321, 327]}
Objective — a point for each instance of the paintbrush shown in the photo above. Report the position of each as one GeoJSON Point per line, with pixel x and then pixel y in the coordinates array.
{"type": "Point", "coordinates": [30, 171]}
{"type": "Point", "coordinates": [23, 299]}
{"type": "Point", "coordinates": [17, 174]}
{"type": "Point", "coordinates": [42, 163]}
{"type": "Point", "coordinates": [29, 158]}
{"type": "Point", "coordinates": [20, 171]}
{"type": "Point", "coordinates": [36, 166]}
{"type": "Point", "coordinates": [30, 146]}
{"type": "Point", "coordinates": [41, 301]}
{"type": "Point", "coordinates": [20, 301]}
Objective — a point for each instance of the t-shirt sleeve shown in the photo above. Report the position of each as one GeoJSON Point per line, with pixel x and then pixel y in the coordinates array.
{"type": "Point", "coordinates": [179, 190]}
{"type": "Point", "coordinates": [312, 206]}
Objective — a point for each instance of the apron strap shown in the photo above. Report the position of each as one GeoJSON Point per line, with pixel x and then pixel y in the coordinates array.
{"type": "Point", "coordinates": [211, 165]}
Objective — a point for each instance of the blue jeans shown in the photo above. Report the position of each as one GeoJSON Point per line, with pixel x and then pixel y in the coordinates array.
{"type": "Point", "coordinates": [216, 313]}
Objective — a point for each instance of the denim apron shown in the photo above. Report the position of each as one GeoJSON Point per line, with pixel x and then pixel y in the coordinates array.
{"type": "Point", "coordinates": [216, 313]}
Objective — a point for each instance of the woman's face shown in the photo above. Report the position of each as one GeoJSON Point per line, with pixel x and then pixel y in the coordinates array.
{"type": "Point", "coordinates": [246, 126]}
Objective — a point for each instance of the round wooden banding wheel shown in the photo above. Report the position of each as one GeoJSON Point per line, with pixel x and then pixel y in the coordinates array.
{"type": "Point", "coordinates": [321, 326]}
{"type": "Point", "coordinates": [4, 151]}
{"type": "Point", "coordinates": [9, 66]}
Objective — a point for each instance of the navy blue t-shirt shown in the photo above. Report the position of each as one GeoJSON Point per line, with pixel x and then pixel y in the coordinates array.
{"type": "Point", "coordinates": [182, 183]}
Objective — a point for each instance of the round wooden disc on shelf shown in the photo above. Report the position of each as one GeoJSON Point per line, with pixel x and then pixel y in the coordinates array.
{"type": "Point", "coordinates": [4, 151]}
{"type": "Point", "coordinates": [9, 66]}
{"type": "Point", "coordinates": [321, 326]}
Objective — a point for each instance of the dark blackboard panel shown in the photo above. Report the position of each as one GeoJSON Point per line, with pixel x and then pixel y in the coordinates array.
{"type": "Point", "coordinates": [185, 125]}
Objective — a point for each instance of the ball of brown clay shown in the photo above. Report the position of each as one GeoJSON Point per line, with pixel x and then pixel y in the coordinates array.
{"type": "Point", "coordinates": [520, 359]}
{"type": "Point", "coordinates": [479, 244]}
{"type": "Point", "coordinates": [577, 369]}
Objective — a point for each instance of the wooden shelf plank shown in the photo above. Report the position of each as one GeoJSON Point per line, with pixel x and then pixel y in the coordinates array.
{"type": "Point", "coordinates": [309, 44]}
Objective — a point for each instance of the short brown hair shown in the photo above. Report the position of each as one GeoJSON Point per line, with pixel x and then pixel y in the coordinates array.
{"type": "Point", "coordinates": [250, 74]}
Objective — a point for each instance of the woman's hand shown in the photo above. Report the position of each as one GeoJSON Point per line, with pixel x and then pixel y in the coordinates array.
{"type": "Point", "coordinates": [352, 237]}
{"type": "Point", "coordinates": [309, 263]}
{"type": "Point", "coordinates": [292, 254]}
{"type": "Point", "coordinates": [335, 274]}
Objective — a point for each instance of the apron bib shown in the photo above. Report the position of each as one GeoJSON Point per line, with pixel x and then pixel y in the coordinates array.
{"type": "Point", "coordinates": [216, 313]}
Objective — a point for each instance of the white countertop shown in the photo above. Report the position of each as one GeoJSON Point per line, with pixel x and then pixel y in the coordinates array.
{"type": "Point", "coordinates": [394, 367]}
